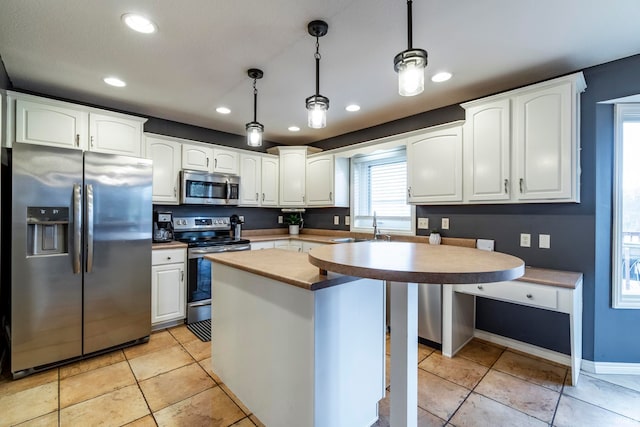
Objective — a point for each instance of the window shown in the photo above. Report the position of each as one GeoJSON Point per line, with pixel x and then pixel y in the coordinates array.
{"type": "Point", "coordinates": [379, 183]}
{"type": "Point", "coordinates": [626, 209]}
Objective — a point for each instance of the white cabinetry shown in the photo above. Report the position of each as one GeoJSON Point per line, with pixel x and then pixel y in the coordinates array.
{"type": "Point", "coordinates": [44, 121]}
{"type": "Point", "coordinates": [293, 162]}
{"type": "Point", "coordinates": [258, 180]}
{"type": "Point", "coordinates": [307, 246]}
{"type": "Point", "coordinates": [197, 157]}
{"type": "Point", "coordinates": [523, 145]}
{"type": "Point", "coordinates": [256, 246]}
{"type": "Point", "coordinates": [225, 161]}
{"type": "Point", "coordinates": [289, 245]}
{"type": "Point", "coordinates": [270, 180]}
{"type": "Point", "coordinates": [327, 180]}
{"type": "Point", "coordinates": [168, 290]}
{"type": "Point", "coordinates": [166, 155]}
{"type": "Point", "coordinates": [434, 165]}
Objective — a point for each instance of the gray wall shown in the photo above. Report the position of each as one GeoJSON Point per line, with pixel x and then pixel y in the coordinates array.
{"type": "Point", "coordinates": [5, 83]}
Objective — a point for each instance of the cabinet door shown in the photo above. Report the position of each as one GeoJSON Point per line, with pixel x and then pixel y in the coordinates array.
{"type": "Point", "coordinates": [487, 141]}
{"type": "Point", "coordinates": [197, 157]}
{"type": "Point", "coordinates": [44, 124]}
{"type": "Point", "coordinates": [543, 143]}
{"type": "Point", "coordinates": [289, 245]}
{"type": "Point", "coordinates": [115, 135]}
{"type": "Point", "coordinates": [320, 180]}
{"type": "Point", "coordinates": [250, 173]}
{"type": "Point", "coordinates": [257, 246]}
{"type": "Point", "coordinates": [225, 161]}
{"type": "Point", "coordinates": [168, 293]}
{"type": "Point", "coordinates": [270, 179]}
{"type": "Point", "coordinates": [434, 162]}
{"type": "Point", "coordinates": [166, 169]}
{"type": "Point", "coordinates": [307, 246]}
{"type": "Point", "coordinates": [292, 176]}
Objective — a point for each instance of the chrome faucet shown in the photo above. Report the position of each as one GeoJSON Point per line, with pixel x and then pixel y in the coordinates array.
{"type": "Point", "coordinates": [375, 227]}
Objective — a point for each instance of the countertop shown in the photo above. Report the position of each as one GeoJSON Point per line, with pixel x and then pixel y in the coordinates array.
{"type": "Point", "coordinates": [169, 245]}
{"type": "Point", "coordinates": [543, 276]}
{"type": "Point", "coordinates": [284, 266]}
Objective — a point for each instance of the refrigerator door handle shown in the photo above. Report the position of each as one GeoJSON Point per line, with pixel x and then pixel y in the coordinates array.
{"type": "Point", "coordinates": [77, 227]}
{"type": "Point", "coordinates": [89, 191]}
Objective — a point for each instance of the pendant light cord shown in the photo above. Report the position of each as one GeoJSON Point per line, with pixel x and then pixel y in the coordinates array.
{"type": "Point", "coordinates": [317, 56]}
{"type": "Point", "coordinates": [255, 101]}
{"type": "Point", "coordinates": [410, 24]}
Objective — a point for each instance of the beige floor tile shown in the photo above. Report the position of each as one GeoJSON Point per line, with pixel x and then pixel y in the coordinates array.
{"type": "Point", "coordinates": [425, 419]}
{"type": "Point", "coordinates": [609, 396]}
{"type": "Point", "coordinates": [27, 403]}
{"type": "Point", "coordinates": [423, 350]}
{"type": "Point", "coordinates": [112, 409]}
{"type": "Point", "coordinates": [235, 399]}
{"type": "Point", "coordinates": [629, 381]}
{"type": "Point", "coordinates": [256, 421]}
{"type": "Point", "coordinates": [206, 365]}
{"type": "Point", "coordinates": [159, 362]}
{"type": "Point", "coordinates": [171, 387]}
{"type": "Point", "coordinates": [537, 371]}
{"type": "Point", "coordinates": [146, 421]}
{"type": "Point", "coordinates": [183, 334]}
{"type": "Point", "coordinates": [160, 340]}
{"type": "Point", "coordinates": [461, 371]}
{"type": "Point", "coordinates": [90, 384]}
{"type": "Point", "coordinates": [481, 352]}
{"type": "Point", "coordinates": [573, 412]}
{"type": "Point", "coordinates": [439, 396]}
{"type": "Point", "coordinates": [530, 398]}
{"type": "Point", "coordinates": [212, 407]}
{"type": "Point", "coordinates": [245, 422]}
{"type": "Point", "coordinates": [16, 386]}
{"type": "Point", "coordinates": [92, 363]}
{"type": "Point", "coordinates": [478, 410]}
{"type": "Point", "coordinates": [49, 420]}
{"type": "Point", "coordinates": [198, 349]}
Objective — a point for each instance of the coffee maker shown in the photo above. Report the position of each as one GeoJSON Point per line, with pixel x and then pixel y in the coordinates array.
{"type": "Point", "coordinates": [162, 226]}
{"type": "Point", "coordinates": [236, 226]}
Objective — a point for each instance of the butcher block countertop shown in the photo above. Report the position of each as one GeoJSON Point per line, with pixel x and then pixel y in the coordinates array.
{"type": "Point", "coordinates": [284, 266]}
{"type": "Point", "coordinates": [543, 276]}
{"type": "Point", "coordinates": [169, 245]}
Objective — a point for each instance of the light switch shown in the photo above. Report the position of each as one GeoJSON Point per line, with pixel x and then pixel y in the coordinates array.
{"type": "Point", "coordinates": [347, 220]}
{"type": "Point", "coordinates": [279, 219]}
{"type": "Point", "coordinates": [336, 220]}
{"type": "Point", "coordinates": [445, 223]}
{"type": "Point", "coordinates": [544, 241]}
{"type": "Point", "coordinates": [525, 240]}
{"type": "Point", "coordinates": [423, 223]}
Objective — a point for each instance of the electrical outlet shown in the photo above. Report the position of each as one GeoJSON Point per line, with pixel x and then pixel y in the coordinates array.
{"type": "Point", "coordinates": [241, 217]}
{"type": "Point", "coordinates": [544, 241]}
{"type": "Point", "coordinates": [525, 240]}
{"type": "Point", "coordinates": [423, 223]}
{"type": "Point", "coordinates": [336, 220]}
{"type": "Point", "coordinates": [280, 220]}
{"type": "Point", "coordinates": [445, 223]}
{"type": "Point", "coordinates": [347, 220]}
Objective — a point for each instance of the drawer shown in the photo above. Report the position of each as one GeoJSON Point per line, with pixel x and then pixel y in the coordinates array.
{"type": "Point", "coordinates": [168, 256]}
{"type": "Point", "coordinates": [516, 292]}
{"type": "Point", "coordinates": [261, 245]}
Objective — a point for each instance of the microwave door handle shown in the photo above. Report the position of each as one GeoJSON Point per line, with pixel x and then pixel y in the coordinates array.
{"type": "Point", "coordinates": [77, 227]}
{"type": "Point", "coordinates": [89, 196]}
{"type": "Point", "coordinates": [228, 191]}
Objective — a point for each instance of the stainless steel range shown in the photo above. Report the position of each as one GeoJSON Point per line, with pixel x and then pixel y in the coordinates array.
{"type": "Point", "coordinates": [204, 235]}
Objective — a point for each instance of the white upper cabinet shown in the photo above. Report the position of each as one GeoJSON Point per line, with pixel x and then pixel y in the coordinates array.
{"type": "Point", "coordinates": [54, 125]}
{"type": "Point", "coordinates": [166, 156]}
{"type": "Point", "coordinates": [487, 161]}
{"type": "Point", "coordinates": [523, 146]}
{"type": "Point", "coordinates": [270, 174]}
{"type": "Point", "coordinates": [250, 179]}
{"type": "Point", "coordinates": [197, 157]}
{"type": "Point", "coordinates": [327, 181]}
{"type": "Point", "coordinates": [434, 165]}
{"type": "Point", "coordinates": [293, 162]}
{"type": "Point", "coordinates": [225, 161]}
{"type": "Point", "coordinates": [115, 135]}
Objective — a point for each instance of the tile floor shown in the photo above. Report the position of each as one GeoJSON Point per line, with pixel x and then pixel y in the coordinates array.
{"type": "Point", "coordinates": [169, 382]}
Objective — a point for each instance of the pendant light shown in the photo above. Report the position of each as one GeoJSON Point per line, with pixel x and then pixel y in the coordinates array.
{"type": "Point", "coordinates": [317, 105]}
{"type": "Point", "coordinates": [410, 64]}
{"type": "Point", "coordinates": [254, 129]}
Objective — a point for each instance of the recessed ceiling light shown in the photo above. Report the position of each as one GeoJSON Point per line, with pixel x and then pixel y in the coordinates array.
{"type": "Point", "coordinates": [223, 110]}
{"type": "Point", "coordinates": [352, 107]}
{"type": "Point", "coordinates": [114, 81]}
{"type": "Point", "coordinates": [293, 129]}
{"type": "Point", "coordinates": [139, 23]}
{"type": "Point", "coordinates": [441, 77]}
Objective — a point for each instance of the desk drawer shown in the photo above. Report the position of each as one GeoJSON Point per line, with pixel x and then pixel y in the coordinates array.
{"type": "Point", "coordinates": [517, 292]}
{"type": "Point", "coordinates": [168, 256]}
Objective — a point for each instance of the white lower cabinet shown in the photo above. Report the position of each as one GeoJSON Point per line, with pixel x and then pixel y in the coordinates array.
{"type": "Point", "coordinates": [256, 246]}
{"type": "Point", "coordinates": [289, 245]}
{"type": "Point", "coordinates": [307, 246]}
{"type": "Point", "coordinates": [168, 286]}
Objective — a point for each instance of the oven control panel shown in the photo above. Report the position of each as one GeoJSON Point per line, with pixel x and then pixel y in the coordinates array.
{"type": "Point", "coordinates": [201, 223]}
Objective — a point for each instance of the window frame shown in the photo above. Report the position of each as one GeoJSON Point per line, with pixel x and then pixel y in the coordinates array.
{"type": "Point", "coordinates": [623, 112]}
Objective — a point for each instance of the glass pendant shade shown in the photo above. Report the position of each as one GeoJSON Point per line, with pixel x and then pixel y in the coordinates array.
{"type": "Point", "coordinates": [317, 107]}
{"type": "Point", "coordinates": [254, 134]}
{"type": "Point", "coordinates": [410, 66]}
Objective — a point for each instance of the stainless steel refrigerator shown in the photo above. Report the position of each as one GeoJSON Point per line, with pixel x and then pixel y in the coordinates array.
{"type": "Point", "coordinates": [80, 254]}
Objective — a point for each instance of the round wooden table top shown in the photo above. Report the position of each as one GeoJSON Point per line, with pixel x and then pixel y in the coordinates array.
{"type": "Point", "coordinates": [416, 262]}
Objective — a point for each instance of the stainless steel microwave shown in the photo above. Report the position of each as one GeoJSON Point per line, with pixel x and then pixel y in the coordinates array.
{"type": "Point", "coordinates": [203, 188]}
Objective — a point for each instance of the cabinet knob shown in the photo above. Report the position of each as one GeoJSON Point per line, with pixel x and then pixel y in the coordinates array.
{"type": "Point", "coordinates": [506, 186]}
{"type": "Point", "coordinates": [175, 192]}
{"type": "Point", "coordinates": [77, 140]}
{"type": "Point", "coordinates": [168, 258]}
{"type": "Point", "coordinates": [256, 197]}
{"type": "Point", "coordinates": [207, 162]}
{"type": "Point", "coordinates": [263, 197]}
{"type": "Point", "coordinates": [521, 185]}
{"type": "Point", "coordinates": [91, 140]}
{"type": "Point", "coordinates": [529, 296]}
{"type": "Point", "coordinates": [330, 196]}
{"type": "Point", "coordinates": [409, 191]}
{"type": "Point", "coordinates": [480, 287]}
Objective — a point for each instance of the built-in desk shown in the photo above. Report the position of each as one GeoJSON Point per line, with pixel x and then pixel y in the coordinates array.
{"type": "Point", "coordinates": [553, 290]}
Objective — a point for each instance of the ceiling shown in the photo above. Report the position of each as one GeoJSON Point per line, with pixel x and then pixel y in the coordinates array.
{"type": "Point", "coordinates": [199, 57]}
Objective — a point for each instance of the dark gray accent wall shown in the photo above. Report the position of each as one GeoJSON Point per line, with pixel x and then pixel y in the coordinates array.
{"type": "Point", "coordinates": [254, 218]}
{"type": "Point", "coordinates": [5, 82]}
{"type": "Point", "coordinates": [323, 218]}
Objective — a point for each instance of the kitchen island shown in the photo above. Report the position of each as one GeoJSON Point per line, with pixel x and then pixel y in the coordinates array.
{"type": "Point", "coordinates": [297, 347]}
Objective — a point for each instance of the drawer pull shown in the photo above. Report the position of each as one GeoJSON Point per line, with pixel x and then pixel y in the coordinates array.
{"type": "Point", "coordinates": [480, 287]}
{"type": "Point", "coordinates": [529, 296]}
{"type": "Point", "coordinates": [168, 258]}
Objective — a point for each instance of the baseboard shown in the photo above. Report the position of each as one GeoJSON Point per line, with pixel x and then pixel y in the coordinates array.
{"type": "Point", "coordinates": [544, 353]}
{"type": "Point", "coordinates": [617, 368]}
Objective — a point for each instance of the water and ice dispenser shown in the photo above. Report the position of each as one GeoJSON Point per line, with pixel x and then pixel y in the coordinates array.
{"type": "Point", "coordinates": [47, 230]}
